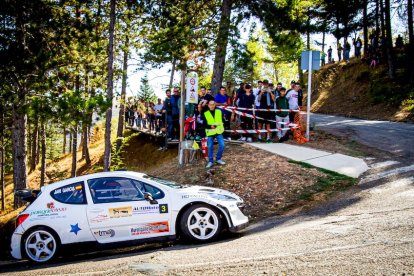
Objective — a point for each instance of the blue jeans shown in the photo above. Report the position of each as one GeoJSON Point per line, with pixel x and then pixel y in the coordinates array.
{"type": "Point", "coordinates": [138, 122]}
{"type": "Point", "coordinates": [169, 126]}
{"type": "Point", "coordinates": [210, 145]}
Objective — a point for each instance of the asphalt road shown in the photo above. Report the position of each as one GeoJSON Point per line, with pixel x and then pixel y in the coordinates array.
{"type": "Point", "coordinates": [396, 138]}
{"type": "Point", "coordinates": [366, 231]}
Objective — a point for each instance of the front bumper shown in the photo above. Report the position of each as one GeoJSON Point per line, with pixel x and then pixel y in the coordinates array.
{"type": "Point", "coordinates": [238, 228]}
{"type": "Point", "coordinates": [15, 246]}
{"type": "Point", "coordinates": [235, 218]}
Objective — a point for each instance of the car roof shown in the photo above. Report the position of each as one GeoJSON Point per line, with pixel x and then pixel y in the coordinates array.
{"type": "Point", "coordinates": [92, 176]}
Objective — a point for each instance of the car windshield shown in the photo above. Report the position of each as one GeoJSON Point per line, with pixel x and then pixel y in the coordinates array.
{"type": "Point", "coordinates": [165, 182]}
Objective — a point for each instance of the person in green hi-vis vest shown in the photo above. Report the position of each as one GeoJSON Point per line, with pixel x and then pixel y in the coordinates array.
{"type": "Point", "coordinates": [214, 129]}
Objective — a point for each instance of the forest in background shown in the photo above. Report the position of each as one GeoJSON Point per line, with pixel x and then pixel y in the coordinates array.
{"type": "Point", "coordinates": [59, 60]}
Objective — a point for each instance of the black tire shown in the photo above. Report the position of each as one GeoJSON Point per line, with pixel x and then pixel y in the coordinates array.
{"type": "Point", "coordinates": [40, 245]}
{"type": "Point", "coordinates": [201, 223]}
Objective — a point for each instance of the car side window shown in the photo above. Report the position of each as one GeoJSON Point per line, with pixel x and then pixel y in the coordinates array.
{"type": "Point", "coordinates": [114, 189]}
{"type": "Point", "coordinates": [154, 191]}
{"type": "Point", "coordinates": [70, 194]}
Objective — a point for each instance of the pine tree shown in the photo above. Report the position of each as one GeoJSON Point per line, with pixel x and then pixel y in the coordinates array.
{"type": "Point", "coordinates": [146, 92]}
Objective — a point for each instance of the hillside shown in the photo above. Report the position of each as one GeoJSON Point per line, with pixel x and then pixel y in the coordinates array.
{"type": "Point", "coordinates": [355, 89]}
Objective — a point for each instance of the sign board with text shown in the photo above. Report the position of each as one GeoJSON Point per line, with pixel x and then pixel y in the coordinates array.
{"type": "Point", "coordinates": [192, 88]}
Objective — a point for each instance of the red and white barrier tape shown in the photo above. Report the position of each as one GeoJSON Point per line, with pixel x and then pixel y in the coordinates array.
{"type": "Point", "coordinates": [230, 108]}
{"type": "Point", "coordinates": [258, 131]}
{"type": "Point", "coordinates": [260, 118]}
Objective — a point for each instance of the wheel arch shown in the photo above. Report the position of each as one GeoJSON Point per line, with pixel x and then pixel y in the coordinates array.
{"type": "Point", "coordinates": [224, 217]}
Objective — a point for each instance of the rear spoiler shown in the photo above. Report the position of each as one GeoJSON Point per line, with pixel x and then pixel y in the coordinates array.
{"type": "Point", "coordinates": [27, 195]}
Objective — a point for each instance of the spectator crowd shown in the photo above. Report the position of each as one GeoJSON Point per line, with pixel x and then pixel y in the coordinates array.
{"type": "Point", "coordinates": [264, 112]}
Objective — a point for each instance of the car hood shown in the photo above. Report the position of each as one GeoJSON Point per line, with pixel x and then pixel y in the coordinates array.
{"type": "Point", "coordinates": [207, 190]}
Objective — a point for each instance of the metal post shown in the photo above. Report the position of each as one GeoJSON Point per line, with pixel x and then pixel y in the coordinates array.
{"type": "Point", "coordinates": [182, 112]}
{"type": "Point", "coordinates": [166, 127]}
{"type": "Point", "coordinates": [309, 95]}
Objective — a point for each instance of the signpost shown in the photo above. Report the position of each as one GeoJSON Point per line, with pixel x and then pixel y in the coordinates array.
{"type": "Point", "coordinates": [310, 60]}
{"type": "Point", "coordinates": [192, 88]}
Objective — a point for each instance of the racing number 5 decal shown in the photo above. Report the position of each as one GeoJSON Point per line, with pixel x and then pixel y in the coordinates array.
{"type": "Point", "coordinates": [163, 208]}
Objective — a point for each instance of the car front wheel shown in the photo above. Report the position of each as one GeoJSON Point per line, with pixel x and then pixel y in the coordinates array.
{"type": "Point", "coordinates": [40, 245]}
{"type": "Point", "coordinates": [201, 223]}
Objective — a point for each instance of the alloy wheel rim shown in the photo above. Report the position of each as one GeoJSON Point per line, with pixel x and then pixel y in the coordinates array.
{"type": "Point", "coordinates": [202, 223]}
{"type": "Point", "coordinates": [40, 246]}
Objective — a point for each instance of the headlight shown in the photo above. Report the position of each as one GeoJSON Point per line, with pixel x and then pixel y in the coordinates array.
{"type": "Point", "coordinates": [222, 197]}
{"type": "Point", "coordinates": [241, 206]}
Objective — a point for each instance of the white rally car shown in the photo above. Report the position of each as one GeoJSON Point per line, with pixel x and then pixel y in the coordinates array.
{"type": "Point", "coordinates": [121, 206]}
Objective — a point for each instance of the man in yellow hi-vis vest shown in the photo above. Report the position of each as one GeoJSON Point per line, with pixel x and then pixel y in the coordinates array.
{"type": "Point", "coordinates": [214, 129]}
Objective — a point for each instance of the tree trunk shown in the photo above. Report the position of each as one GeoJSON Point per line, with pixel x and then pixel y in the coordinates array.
{"type": "Point", "coordinates": [383, 45]}
{"type": "Point", "coordinates": [221, 46]}
{"type": "Point", "coordinates": [19, 149]}
{"type": "Point", "coordinates": [378, 19]}
{"type": "Point", "coordinates": [300, 72]}
{"type": "Point", "coordinates": [74, 150]}
{"type": "Point", "coordinates": [37, 158]}
{"type": "Point", "coordinates": [85, 146]}
{"type": "Point", "coordinates": [64, 140]}
{"type": "Point", "coordinates": [410, 21]}
{"type": "Point", "coordinates": [34, 145]}
{"type": "Point", "coordinates": [365, 26]}
{"type": "Point", "coordinates": [172, 73]}
{"type": "Point", "coordinates": [390, 53]}
{"type": "Point", "coordinates": [3, 195]}
{"type": "Point", "coordinates": [107, 153]}
{"type": "Point", "coordinates": [323, 41]}
{"type": "Point", "coordinates": [121, 120]}
{"type": "Point", "coordinates": [43, 160]}
{"type": "Point", "coordinates": [70, 142]}
{"type": "Point", "coordinates": [410, 47]}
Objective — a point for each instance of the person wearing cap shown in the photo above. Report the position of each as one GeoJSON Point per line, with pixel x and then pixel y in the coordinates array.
{"type": "Point", "coordinates": [293, 96]}
{"type": "Point", "coordinates": [214, 126]}
{"type": "Point", "coordinates": [282, 116]}
{"type": "Point", "coordinates": [266, 99]}
{"type": "Point", "coordinates": [292, 86]}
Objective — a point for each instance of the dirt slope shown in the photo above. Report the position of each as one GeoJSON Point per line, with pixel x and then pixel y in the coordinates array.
{"type": "Point", "coordinates": [353, 89]}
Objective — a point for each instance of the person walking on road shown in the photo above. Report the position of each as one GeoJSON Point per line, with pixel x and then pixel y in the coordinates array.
{"type": "Point", "coordinates": [214, 130]}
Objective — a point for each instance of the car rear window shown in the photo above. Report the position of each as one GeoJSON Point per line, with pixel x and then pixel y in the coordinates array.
{"type": "Point", "coordinates": [70, 194]}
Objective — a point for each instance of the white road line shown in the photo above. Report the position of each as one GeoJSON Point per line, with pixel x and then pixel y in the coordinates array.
{"type": "Point", "coordinates": [380, 175]}
{"type": "Point", "coordinates": [383, 164]}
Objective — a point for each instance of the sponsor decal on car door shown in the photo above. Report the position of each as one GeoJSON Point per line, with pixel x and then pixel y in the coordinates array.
{"type": "Point", "coordinates": [118, 207]}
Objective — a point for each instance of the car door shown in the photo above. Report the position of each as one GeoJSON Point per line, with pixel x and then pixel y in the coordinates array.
{"type": "Point", "coordinates": [119, 211]}
{"type": "Point", "coordinates": [67, 213]}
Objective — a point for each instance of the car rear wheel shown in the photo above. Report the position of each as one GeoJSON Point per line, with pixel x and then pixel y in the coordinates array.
{"type": "Point", "coordinates": [201, 223]}
{"type": "Point", "coordinates": [40, 245]}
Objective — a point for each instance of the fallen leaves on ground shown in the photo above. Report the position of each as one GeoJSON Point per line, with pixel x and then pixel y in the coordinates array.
{"type": "Point", "coordinates": [267, 183]}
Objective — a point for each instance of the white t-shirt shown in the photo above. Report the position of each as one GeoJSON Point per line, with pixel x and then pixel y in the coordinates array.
{"type": "Point", "coordinates": [158, 107]}
{"type": "Point", "coordinates": [292, 97]}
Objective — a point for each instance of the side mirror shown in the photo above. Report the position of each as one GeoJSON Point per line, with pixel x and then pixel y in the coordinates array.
{"type": "Point", "coordinates": [148, 196]}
